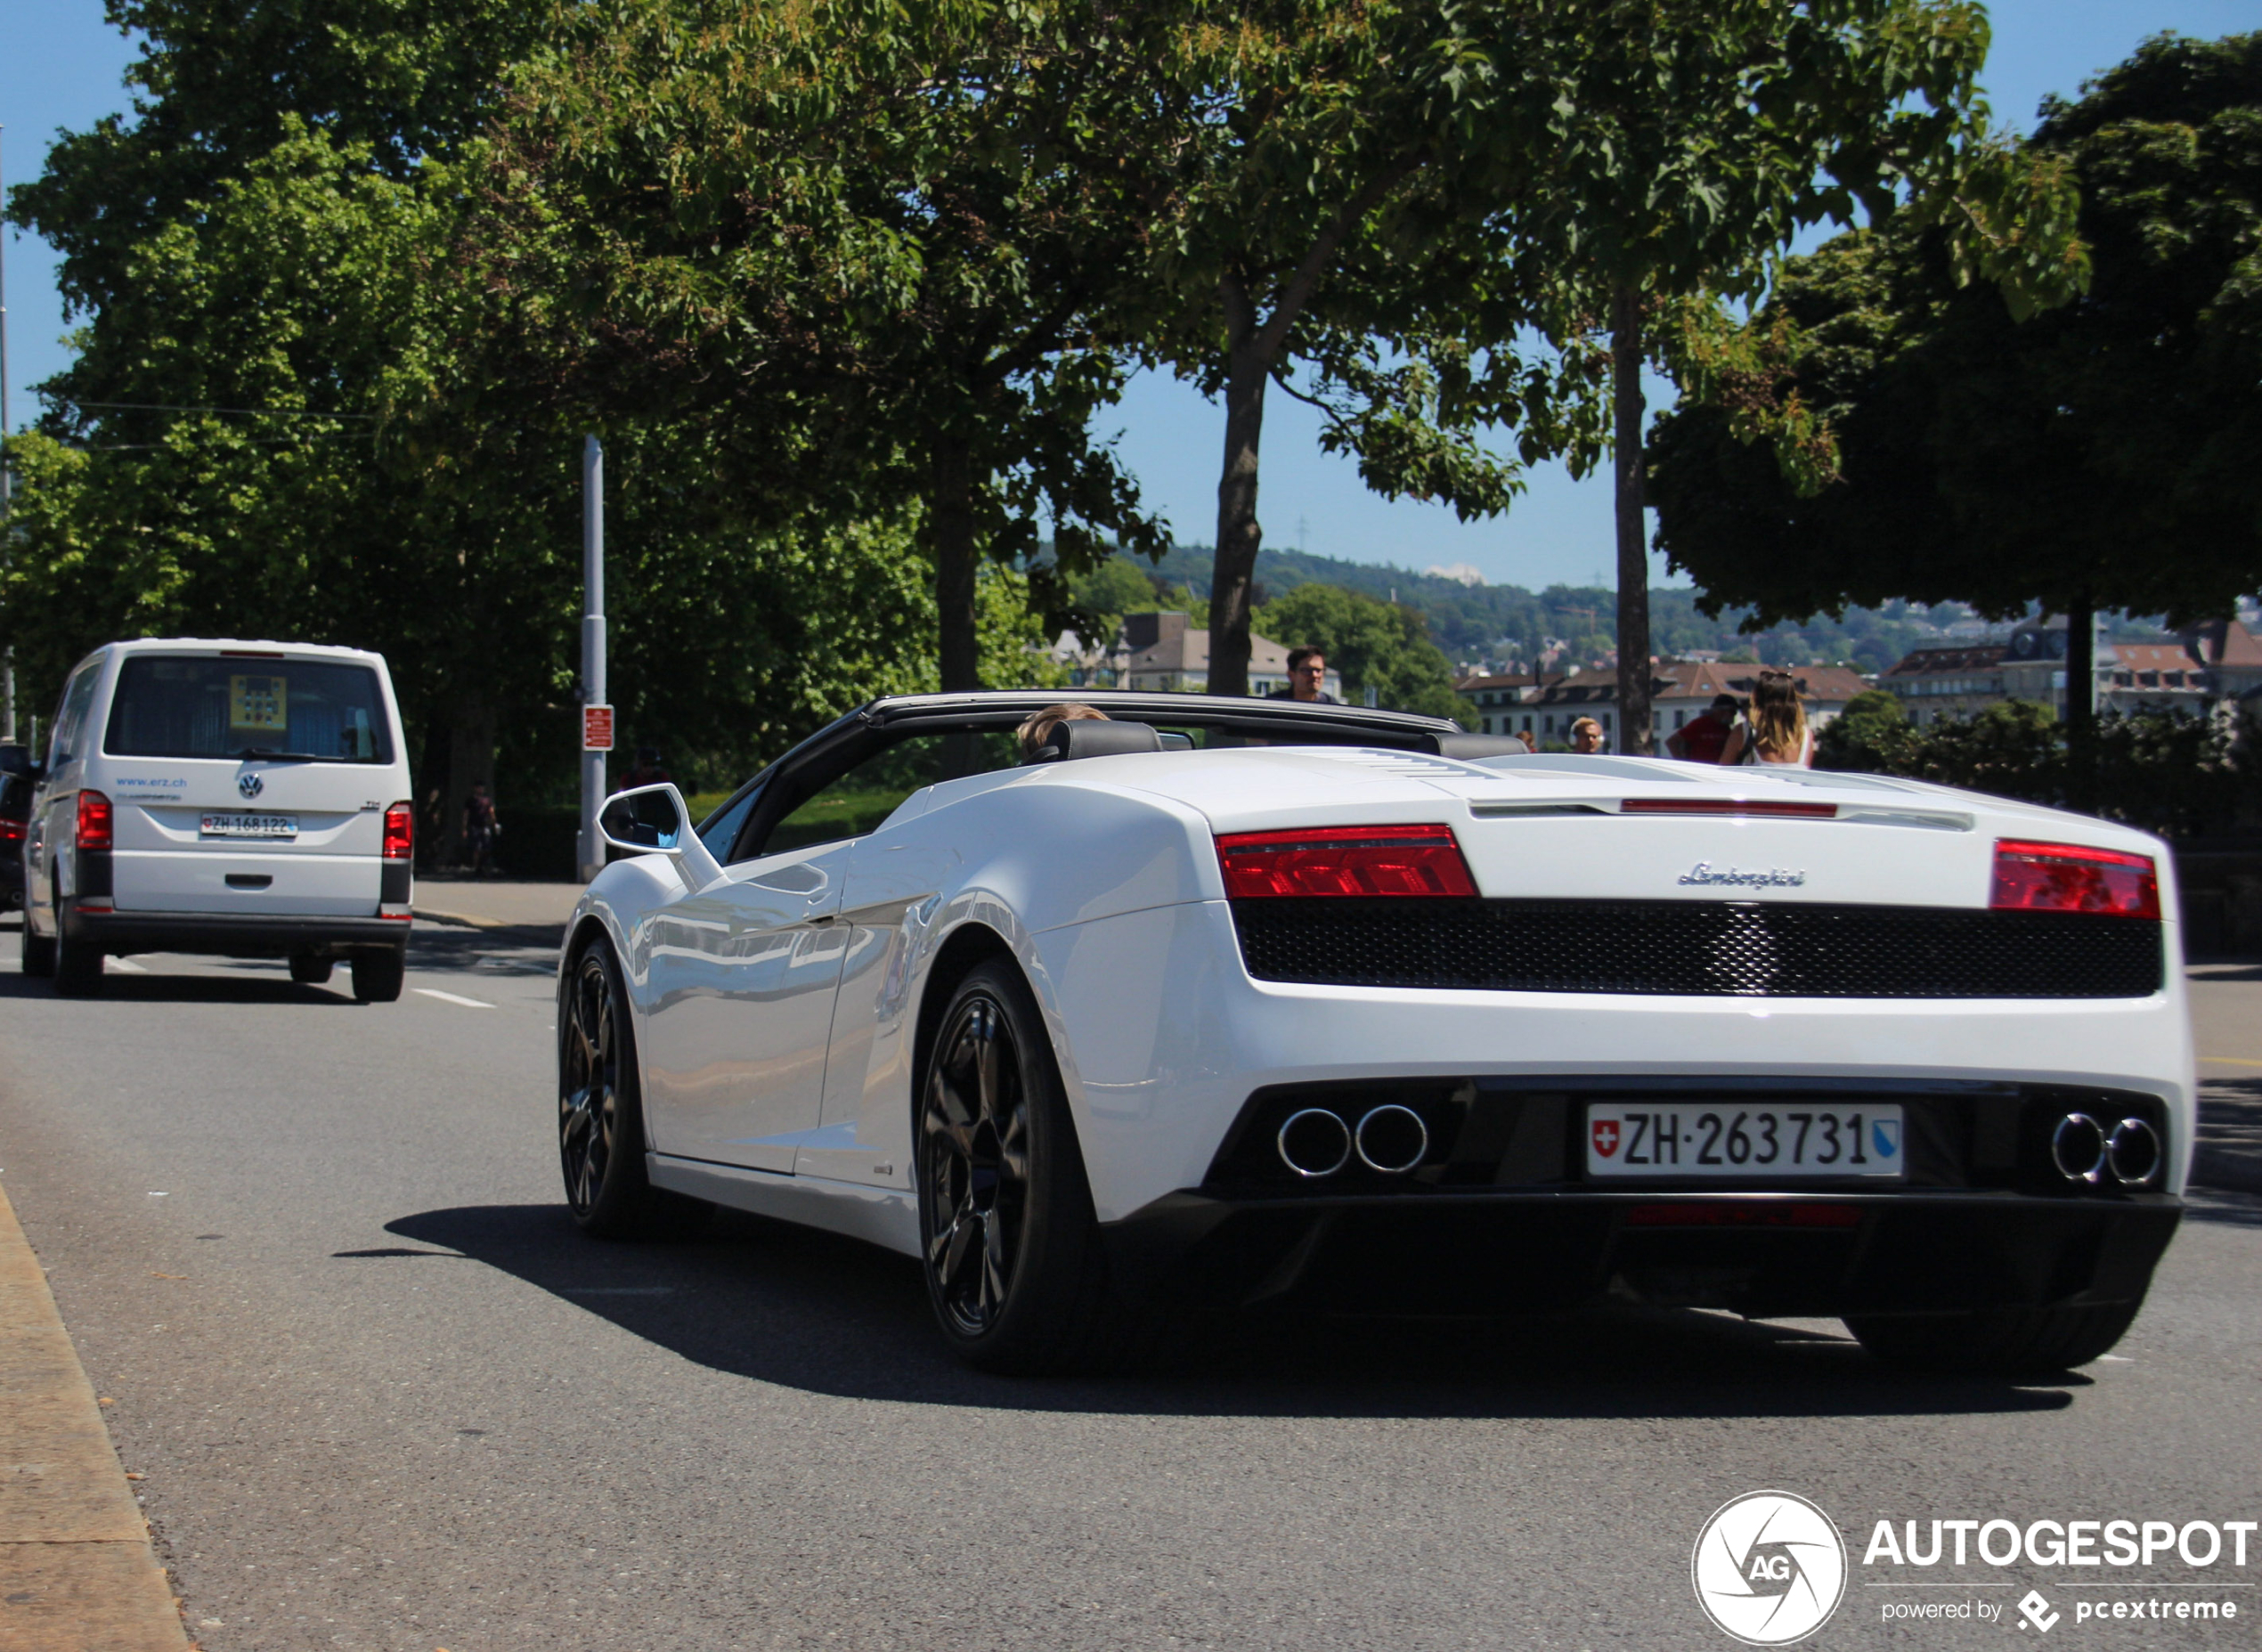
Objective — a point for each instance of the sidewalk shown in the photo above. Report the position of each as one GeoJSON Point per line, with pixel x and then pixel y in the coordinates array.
{"type": "Point", "coordinates": [496, 903]}
{"type": "Point", "coordinates": [75, 1569]}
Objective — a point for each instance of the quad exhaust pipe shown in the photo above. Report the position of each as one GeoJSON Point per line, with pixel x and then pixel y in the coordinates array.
{"type": "Point", "coordinates": [1318, 1141]}
{"type": "Point", "coordinates": [2087, 1152]}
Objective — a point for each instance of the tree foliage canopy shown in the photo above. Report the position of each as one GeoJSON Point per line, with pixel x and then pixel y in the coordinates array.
{"type": "Point", "coordinates": [1380, 645]}
{"type": "Point", "coordinates": [2099, 451]}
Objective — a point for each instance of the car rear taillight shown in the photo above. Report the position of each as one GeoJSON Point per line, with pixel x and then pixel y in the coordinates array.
{"type": "Point", "coordinates": [94, 820]}
{"type": "Point", "coordinates": [10, 831]}
{"type": "Point", "coordinates": [400, 831]}
{"type": "Point", "coordinates": [2064, 877]}
{"type": "Point", "coordinates": [1344, 860]}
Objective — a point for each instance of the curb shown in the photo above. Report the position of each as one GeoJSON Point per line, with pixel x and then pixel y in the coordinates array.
{"type": "Point", "coordinates": [433, 915]}
{"type": "Point", "coordinates": [76, 1567]}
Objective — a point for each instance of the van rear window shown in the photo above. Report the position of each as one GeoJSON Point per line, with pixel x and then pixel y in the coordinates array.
{"type": "Point", "coordinates": [205, 707]}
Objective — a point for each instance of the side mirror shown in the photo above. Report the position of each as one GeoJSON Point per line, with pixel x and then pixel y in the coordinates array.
{"type": "Point", "coordinates": [655, 820]}
{"type": "Point", "coordinates": [645, 821]}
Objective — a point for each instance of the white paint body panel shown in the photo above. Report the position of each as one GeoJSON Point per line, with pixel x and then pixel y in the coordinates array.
{"type": "Point", "coordinates": [1101, 877]}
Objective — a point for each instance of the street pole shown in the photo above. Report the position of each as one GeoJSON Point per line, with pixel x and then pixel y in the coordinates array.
{"type": "Point", "coordinates": [7, 499]}
{"type": "Point", "coordinates": [592, 846]}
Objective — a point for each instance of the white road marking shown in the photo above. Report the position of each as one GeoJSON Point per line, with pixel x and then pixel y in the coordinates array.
{"type": "Point", "coordinates": [450, 998]}
{"type": "Point", "coordinates": [126, 966]}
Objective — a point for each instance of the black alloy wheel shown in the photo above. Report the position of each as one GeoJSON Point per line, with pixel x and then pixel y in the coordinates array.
{"type": "Point", "coordinates": [601, 1123]}
{"type": "Point", "coordinates": [1008, 1240]}
{"type": "Point", "coordinates": [974, 1132]}
{"type": "Point", "coordinates": [589, 1084]}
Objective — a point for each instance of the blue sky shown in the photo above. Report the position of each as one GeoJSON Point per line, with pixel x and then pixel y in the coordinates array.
{"type": "Point", "coordinates": [62, 65]}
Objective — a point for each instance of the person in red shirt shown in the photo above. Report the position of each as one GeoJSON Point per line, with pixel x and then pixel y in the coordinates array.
{"type": "Point", "coordinates": [1706, 735]}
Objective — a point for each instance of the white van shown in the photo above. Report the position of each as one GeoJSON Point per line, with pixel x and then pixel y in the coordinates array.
{"type": "Point", "coordinates": [248, 799]}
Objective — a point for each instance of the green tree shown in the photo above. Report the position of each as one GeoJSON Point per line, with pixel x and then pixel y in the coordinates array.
{"type": "Point", "coordinates": [858, 248]}
{"type": "Point", "coordinates": [1696, 139]}
{"type": "Point", "coordinates": [1382, 645]}
{"type": "Point", "coordinates": [1327, 177]}
{"type": "Point", "coordinates": [262, 483]}
{"type": "Point", "coordinates": [2097, 454]}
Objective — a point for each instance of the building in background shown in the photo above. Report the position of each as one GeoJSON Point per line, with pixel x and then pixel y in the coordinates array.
{"type": "Point", "coordinates": [1934, 683]}
{"type": "Point", "coordinates": [1166, 655]}
{"type": "Point", "coordinates": [2193, 674]}
{"type": "Point", "coordinates": [1498, 697]}
{"type": "Point", "coordinates": [2230, 652]}
{"type": "Point", "coordinates": [1543, 711]}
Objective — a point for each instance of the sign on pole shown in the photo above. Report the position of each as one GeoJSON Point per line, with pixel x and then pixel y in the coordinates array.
{"type": "Point", "coordinates": [597, 727]}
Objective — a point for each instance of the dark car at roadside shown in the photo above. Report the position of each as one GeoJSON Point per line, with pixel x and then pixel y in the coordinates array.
{"type": "Point", "coordinates": [15, 807]}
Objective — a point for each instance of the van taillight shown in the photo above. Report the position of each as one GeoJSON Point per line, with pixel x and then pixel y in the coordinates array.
{"type": "Point", "coordinates": [94, 820]}
{"type": "Point", "coordinates": [400, 831]}
{"type": "Point", "coordinates": [10, 831]}
{"type": "Point", "coordinates": [2064, 877]}
{"type": "Point", "coordinates": [1344, 860]}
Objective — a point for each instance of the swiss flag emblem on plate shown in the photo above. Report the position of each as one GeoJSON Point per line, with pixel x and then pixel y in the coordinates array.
{"type": "Point", "coordinates": [1606, 1136]}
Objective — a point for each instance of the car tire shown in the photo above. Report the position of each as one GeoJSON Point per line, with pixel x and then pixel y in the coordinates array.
{"type": "Point", "coordinates": [377, 975]}
{"type": "Point", "coordinates": [38, 952]}
{"type": "Point", "coordinates": [77, 965]}
{"type": "Point", "coordinates": [2004, 1342]}
{"type": "Point", "coordinates": [1009, 1243]}
{"type": "Point", "coordinates": [600, 1114]}
{"type": "Point", "coordinates": [311, 971]}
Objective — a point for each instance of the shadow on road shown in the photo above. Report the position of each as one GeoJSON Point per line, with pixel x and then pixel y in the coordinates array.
{"type": "Point", "coordinates": [811, 1311]}
{"type": "Point", "coordinates": [2230, 1135]}
{"type": "Point", "coordinates": [124, 990]}
{"type": "Point", "coordinates": [487, 951]}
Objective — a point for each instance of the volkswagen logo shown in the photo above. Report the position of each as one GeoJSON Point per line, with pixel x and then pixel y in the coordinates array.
{"type": "Point", "coordinates": [1770, 1569]}
{"type": "Point", "coordinates": [249, 784]}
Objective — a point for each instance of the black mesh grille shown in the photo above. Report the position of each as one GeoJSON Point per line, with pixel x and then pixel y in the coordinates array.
{"type": "Point", "coordinates": [1735, 948]}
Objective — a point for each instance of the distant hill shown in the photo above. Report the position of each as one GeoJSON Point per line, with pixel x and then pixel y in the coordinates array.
{"type": "Point", "coordinates": [1492, 622]}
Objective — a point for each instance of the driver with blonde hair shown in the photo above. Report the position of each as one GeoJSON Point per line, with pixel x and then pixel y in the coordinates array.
{"type": "Point", "coordinates": [1036, 733]}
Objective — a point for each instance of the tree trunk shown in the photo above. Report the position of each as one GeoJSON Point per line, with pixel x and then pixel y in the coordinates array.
{"type": "Point", "coordinates": [950, 531]}
{"type": "Point", "coordinates": [2081, 702]}
{"type": "Point", "coordinates": [1235, 571]}
{"type": "Point", "coordinates": [471, 761]}
{"type": "Point", "coordinates": [1633, 549]}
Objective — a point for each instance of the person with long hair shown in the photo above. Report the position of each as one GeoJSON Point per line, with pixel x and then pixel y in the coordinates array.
{"type": "Point", "coordinates": [1775, 730]}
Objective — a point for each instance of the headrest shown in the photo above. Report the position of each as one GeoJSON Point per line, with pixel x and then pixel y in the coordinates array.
{"type": "Point", "coordinates": [1469, 747]}
{"type": "Point", "coordinates": [1090, 736]}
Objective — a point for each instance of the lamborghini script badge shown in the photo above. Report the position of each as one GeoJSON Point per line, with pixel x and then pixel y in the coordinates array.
{"type": "Point", "coordinates": [1775, 877]}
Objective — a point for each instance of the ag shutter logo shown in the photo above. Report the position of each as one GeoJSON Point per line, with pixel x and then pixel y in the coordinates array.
{"type": "Point", "coordinates": [1768, 1568]}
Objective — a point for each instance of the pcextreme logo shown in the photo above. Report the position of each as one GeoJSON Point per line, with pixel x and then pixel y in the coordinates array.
{"type": "Point", "coordinates": [1768, 1568]}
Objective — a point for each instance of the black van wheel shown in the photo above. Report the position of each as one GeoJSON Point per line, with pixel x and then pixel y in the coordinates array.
{"type": "Point", "coordinates": [312, 970]}
{"type": "Point", "coordinates": [377, 975]}
{"type": "Point", "coordinates": [77, 964]}
{"type": "Point", "coordinates": [39, 951]}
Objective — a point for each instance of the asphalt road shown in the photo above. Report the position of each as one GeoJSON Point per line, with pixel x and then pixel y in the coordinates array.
{"type": "Point", "coordinates": [383, 1398]}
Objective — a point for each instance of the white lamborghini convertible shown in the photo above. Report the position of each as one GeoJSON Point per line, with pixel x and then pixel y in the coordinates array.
{"type": "Point", "coordinates": [1227, 1002]}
